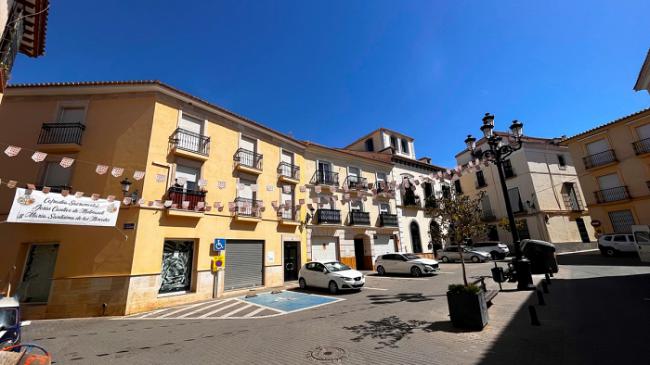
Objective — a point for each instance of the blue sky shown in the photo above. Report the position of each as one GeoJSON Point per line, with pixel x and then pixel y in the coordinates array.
{"type": "Point", "coordinates": [331, 71]}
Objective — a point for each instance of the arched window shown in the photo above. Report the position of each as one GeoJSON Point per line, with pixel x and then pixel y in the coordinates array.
{"type": "Point", "coordinates": [416, 240]}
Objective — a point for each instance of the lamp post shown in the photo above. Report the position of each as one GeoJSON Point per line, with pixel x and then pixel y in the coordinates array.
{"type": "Point", "coordinates": [126, 185]}
{"type": "Point", "coordinates": [497, 153]}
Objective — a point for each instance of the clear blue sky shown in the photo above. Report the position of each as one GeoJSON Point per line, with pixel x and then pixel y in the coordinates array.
{"type": "Point", "coordinates": [331, 71]}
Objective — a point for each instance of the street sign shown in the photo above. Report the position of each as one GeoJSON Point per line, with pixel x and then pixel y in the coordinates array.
{"type": "Point", "coordinates": [219, 244]}
{"type": "Point", "coordinates": [595, 223]}
{"type": "Point", "coordinates": [128, 226]}
{"type": "Point", "coordinates": [219, 262]}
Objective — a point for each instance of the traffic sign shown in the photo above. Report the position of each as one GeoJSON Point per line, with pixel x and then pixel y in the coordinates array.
{"type": "Point", "coordinates": [219, 262]}
{"type": "Point", "coordinates": [219, 244]}
{"type": "Point", "coordinates": [595, 223]}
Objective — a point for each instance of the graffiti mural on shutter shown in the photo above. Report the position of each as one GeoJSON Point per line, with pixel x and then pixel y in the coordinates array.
{"type": "Point", "coordinates": [176, 274]}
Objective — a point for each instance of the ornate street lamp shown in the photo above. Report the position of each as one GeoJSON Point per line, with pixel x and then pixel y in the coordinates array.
{"type": "Point", "coordinates": [126, 185]}
{"type": "Point", "coordinates": [498, 152]}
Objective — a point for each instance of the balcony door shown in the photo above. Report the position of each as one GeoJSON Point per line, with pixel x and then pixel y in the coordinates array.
{"type": "Point", "coordinates": [356, 206]}
{"type": "Point", "coordinates": [190, 141]}
{"type": "Point", "coordinates": [287, 197]}
{"type": "Point", "coordinates": [187, 176]}
{"type": "Point", "coordinates": [287, 164]}
{"type": "Point", "coordinates": [353, 176]}
{"type": "Point", "coordinates": [325, 172]}
{"type": "Point", "coordinates": [384, 208]}
{"type": "Point", "coordinates": [597, 147]}
{"type": "Point", "coordinates": [609, 181]}
{"type": "Point", "coordinates": [248, 144]}
{"type": "Point", "coordinates": [56, 176]}
{"type": "Point", "coordinates": [75, 114]}
{"type": "Point", "coordinates": [643, 131]}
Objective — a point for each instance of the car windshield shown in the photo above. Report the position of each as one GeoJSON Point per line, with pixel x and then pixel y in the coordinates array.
{"type": "Point", "coordinates": [410, 256]}
{"type": "Point", "coordinates": [7, 317]}
{"type": "Point", "coordinates": [336, 266]}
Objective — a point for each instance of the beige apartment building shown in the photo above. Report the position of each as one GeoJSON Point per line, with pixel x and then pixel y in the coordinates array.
{"type": "Point", "coordinates": [543, 190]}
{"type": "Point", "coordinates": [613, 165]}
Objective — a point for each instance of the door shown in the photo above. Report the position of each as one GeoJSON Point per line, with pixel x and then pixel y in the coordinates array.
{"type": "Point", "coordinates": [353, 177]}
{"type": "Point", "coordinates": [383, 245]}
{"type": "Point", "coordinates": [642, 238]}
{"type": "Point", "coordinates": [324, 173]}
{"type": "Point", "coordinates": [37, 278]}
{"type": "Point", "coordinates": [323, 249]}
{"type": "Point", "coordinates": [176, 271]}
{"type": "Point", "coordinates": [291, 261]}
{"type": "Point", "coordinates": [287, 200]}
{"type": "Point", "coordinates": [415, 238]}
{"type": "Point", "coordinates": [244, 264]}
{"type": "Point", "coordinates": [582, 228]}
{"type": "Point", "coordinates": [286, 169]}
{"type": "Point", "coordinates": [597, 147]}
{"type": "Point", "coordinates": [359, 253]}
{"type": "Point", "coordinates": [187, 176]}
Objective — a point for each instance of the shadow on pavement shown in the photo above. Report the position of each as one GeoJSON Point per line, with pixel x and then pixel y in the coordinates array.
{"type": "Point", "coordinates": [319, 291]}
{"type": "Point", "coordinates": [401, 297]}
{"type": "Point", "coordinates": [601, 320]}
{"type": "Point", "coordinates": [594, 258]}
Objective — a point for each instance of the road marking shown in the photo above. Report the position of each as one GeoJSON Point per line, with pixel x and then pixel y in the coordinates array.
{"type": "Point", "coordinates": [258, 310]}
{"type": "Point", "coordinates": [367, 287]}
{"type": "Point", "coordinates": [180, 310]}
{"type": "Point", "coordinates": [236, 311]}
{"type": "Point", "coordinates": [388, 277]}
{"type": "Point", "coordinates": [445, 272]}
{"type": "Point", "coordinates": [236, 301]}
{"type": "Point", "coordinates": [145, 315]}
{"type": "Point", "coordinates": [204, 308]}
{"type": "Point", "coordinates": [570, 252]}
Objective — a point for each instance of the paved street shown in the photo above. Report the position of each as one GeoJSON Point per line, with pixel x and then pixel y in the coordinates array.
{"type": "Point", "coordinates": [396, 320]}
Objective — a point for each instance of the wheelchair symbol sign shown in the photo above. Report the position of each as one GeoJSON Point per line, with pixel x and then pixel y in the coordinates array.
{"type": "Point", "coordinates": [219, 244]}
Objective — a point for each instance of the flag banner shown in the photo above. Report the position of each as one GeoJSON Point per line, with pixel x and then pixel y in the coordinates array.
{"type": "Point", "coordinates": [78, 194]}
{"type": "Point", "coordinates": [94, 196]}
{"type": "Point", "coordinates": [101, 169]}
{"type": "Point", "coordinates": [138, 175]}
{"type": "Point", "coordinates": [286, 189]}
{"type": "Point", "coordinates": [181, 181]}
{"type": "Point", "coordinates": [158, 204]}
{"type": "Point", "coordinates": [117, 171]}
{"type": "Point", "coordinates": [221, 185]}
{"type": "Point", "coordinates": [127, 200]}
{"type": "Point", "coordinates": [269, 187]}
{"type": "Point", "coordinates": [160, 178]}
{"type": "Point", "coordinates": [39, 156]}
{"type": "Point", "coordinates": [200, 205]}
{"type": "Point", "coordinates": [254, 188]}
{"type": "Point", "coordinates": [46, 189]}
{"type": "Point", "coordinates": [66, 162]}
{"type": "Point", "coordinates": [12, 151]}
{"type": "Point", "coordinates": [141, 201]}
{"type": "Point", "coordinates": [54, 208]}
{"type": "Point", "coordinates": [202, 183]}
{"type": "Point", "coordinates": [208, 208]}
{"type": "Point", "coordinates": [317, 189]}
{"type": "Point", "coordinates": [303, 189]}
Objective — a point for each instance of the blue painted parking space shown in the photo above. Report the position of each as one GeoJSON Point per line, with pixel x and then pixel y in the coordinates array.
{"type": "Point", "coordinates": [290, 301]}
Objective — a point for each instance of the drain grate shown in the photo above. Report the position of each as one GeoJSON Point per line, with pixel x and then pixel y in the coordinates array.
{"type": "Point", "coordinates": [327, 354]}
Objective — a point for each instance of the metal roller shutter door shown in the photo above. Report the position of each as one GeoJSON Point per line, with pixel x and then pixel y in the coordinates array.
{"type": "Point", "coordinates": [323, 248]}
{"type": "Point", "coordinates": [244, 264]}
{"type": "Point", "coordinates": [383, 245]}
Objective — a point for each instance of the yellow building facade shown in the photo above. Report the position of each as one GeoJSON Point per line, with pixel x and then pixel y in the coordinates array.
{"type": "Point", "coordinates": [209, 174]}
{"type": "Point", "coordinates": [613, 165]}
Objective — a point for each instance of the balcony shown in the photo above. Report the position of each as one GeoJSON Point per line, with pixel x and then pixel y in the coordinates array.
{"type": "Point", "coordinates": [487, 215]}
{"type": "Point", "coordinates": [55, 188]}
{"type": "Point", "coordinates": [247, 209]}
{"type": "Point", "coordinates": [328, 216]}
{"type": "Point", "coordinates": [599, 159]}
{"type": "Point", "coordinates": [190, 144]}
{"type": "Point", "coordinates": [411, 200]}
{"type": "Point", "coordinates": [359, 218]}
{"type": "Point", "coordinates": [248, 161]}
{"type": "Point", "coordinates": [508, 172]}
{"type": "Point", "coordinates": [642, 146]}
{"type": "Point", "coordinates": [288, 217]}
{"type": "Point", "coordinates": [289, 173]}
{"type": "Point", "coordinates": [431, 202]}
{"type": "Point", "coordinates": [387, 220]}
{"type": "Point", "coordinates": [326, 178]}
{"type": "Point", "coordinates": [60, 137]}
{"type": "Point", "coordinates": [185, 199]}
{"type": "Point", "coordinates": [612, 195]}
{"type": "Point", "coordinates": [481, 183]}
{"type": "Point", "coordinates": [356, 183]}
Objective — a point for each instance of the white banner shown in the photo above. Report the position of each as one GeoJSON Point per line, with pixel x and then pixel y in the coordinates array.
{"type": "Point", "coordinates": [53, 208]}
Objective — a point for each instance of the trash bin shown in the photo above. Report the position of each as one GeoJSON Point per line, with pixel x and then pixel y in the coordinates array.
{"type": "Point", "coordinates": [541, 255]}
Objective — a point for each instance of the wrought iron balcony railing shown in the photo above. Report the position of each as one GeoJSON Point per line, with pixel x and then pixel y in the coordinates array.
{"type": "Point", "coordinates": [356, 182]}
{"type": "Point", "coordinates": [247, 207]}
{"type": "Point", "coordinates": [642, 146]}
{"type": "Point", "coordinates": [178, 195]}
{"type": "Point", "coordinates": [431, 202]}
{"type": "Point", "coordinates": [411, 200]}
{"type": "Point", "coordinates": [599, 159]}
{"type": "Point", "coordinates": [387, 220]}
{"type": "Point", "coordinates": [183, 139]}
{"type": "Point", "coordinates": [248, 158]}
{"type": "Point", "coordinates": [383, 187]}
{"type": "Point", "coordinates": [61, 133]}
{"type": "Point", "coordinates": [332, 216]}
{"type": "Point", "coordinates": [487, 215]}
{"type": "Point", "coordinates": [359, 218]}
{"type": "Point", "coordinates": [325, 178]}
{"type": "Point", "coordinates": [612, 195]}
{"type": "Point", "coordinates": [288, 214]}
{"type": "Point", "coordinates": [289, 170]}
{"type": "Point", "coordinates": [10, 43]}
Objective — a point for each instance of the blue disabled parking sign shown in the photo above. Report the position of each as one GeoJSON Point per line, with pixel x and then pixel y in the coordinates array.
{"type": "Point", "coordinates": [219, 244]}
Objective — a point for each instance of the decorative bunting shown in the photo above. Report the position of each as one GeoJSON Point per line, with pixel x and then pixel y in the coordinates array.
{"type": "Point", "coordinates": [66, 162]}
{"type": "Point", "coordinates": [127, 200]}
{"type": "Point", "coordinates": [274, 204]}
{"type": "Point", "coordinates": [200, 205]}
{"type": "Point", "coordinates": [138, 175]}
{"type": "Point", "coordinates": [94, 196]}
{"type": "Point", "coordinates": [317, 189]}
{"type": "Point", "coordinates": [39, 156]}
{"type": "Point", "coordinates": [303, 189]}
{"type": "Point", "coordinates": [101, 169]}
{"type": "Point", "coordinates": [78, 194]}
{"type": "Point", "coordinates": [65, 192]}
{"type": "Point", "coordinates": [202, 183]}
{"type": "Point", "coordinates": [158, 204]}
{"type": "Point", "coordinates": [31, 186]}
{"type": "Point", "coordinates": [181, 181]}
{"type": "Point", "coordinates": [286, 189]}
{"type": "Point", "coordinates": [160, 178]}
{"type": "Point", "coordinates": [46, 189]}
{"type": "Point", "coordinates": [301, 201]}
{"type": "Point", "coordinates": [207, 208]}
{"type": "Point", "coordinates": [185, 204]}
{"type": "Point", "coordinates": [141, 201]}
{"type": "Point", "coordinates": [117, 171]}
{"type": "Point", "coordinates": [12, 151]}
{"type": "Point", "coordinates": [150, 203]}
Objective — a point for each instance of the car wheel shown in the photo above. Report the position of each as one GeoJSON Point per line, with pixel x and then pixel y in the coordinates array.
{"type": "Point", "coordinates": [444, 259]}
{"type": "Point", "coordinates": [610, 252]}
{"type": "Point", "coordinates": [495, 255]}
{"type": "Point", "coordinates": [416, 272]}
{"type": "Point", "coordinates": [333, 288]}
{"type": "Point", "coordinates": [302, 283]}
{"type": "Point", "coordinates": [381, 271]}
{"type": "Point", "coordinates": [475, 259]}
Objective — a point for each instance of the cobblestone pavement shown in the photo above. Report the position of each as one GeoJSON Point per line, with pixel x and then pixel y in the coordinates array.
{"type": "Point", "coordinates": [597, 312]}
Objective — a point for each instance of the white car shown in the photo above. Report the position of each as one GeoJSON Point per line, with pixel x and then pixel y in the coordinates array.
{"type": "Point", "coordinates": [405, 263]}
{"type": "Point", "coordinates": [613, 244]}
{"type": "Point", "coordinates": [497, 250]}
{"type": "Point", "coordinates": [332, 275]}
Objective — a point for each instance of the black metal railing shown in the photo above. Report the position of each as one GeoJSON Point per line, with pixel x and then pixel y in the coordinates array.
{"type": "Point", "coordinates": [356, 182]}
{"type": "Point", "coordinates": [183, 139]}
{"type": "Point", "coordinates": [573, 201]}
{"type": "Point", "coordinates": [247, 207]}
{"type": "Point", "coordinates": [61, 133]}
{"type": "Point", "coordinates": [10, 43]}
{"type": "Point", "coordinates": [642, 146]}
{"type": "Point", "coordinates": [328, 216]}
{"type": "Point", "coordinates": [612, 195]}
{"type": "Point", "coordinates": [487, 215]}
{"type": "Point", "coordinates": [248, 158]}
{"type": "Point", "coordinates": [599, 159]}
{"type": "Point", "coordinates": [359, 218]}
{"type": "Point", "coordinates": [431, 202]}
{"type": "Point", "coordinates": [411, 200]}
{"type": "Point", "coordinates": [383, 187]}
{"type": "Point", "coordinates": [325, 178]}
{"type": "Point", "coordinates": [387, 220]}
{"type": "Point", "coordinates": [289, 170]}
{"type": "Point", "coordinates": [178, 195]}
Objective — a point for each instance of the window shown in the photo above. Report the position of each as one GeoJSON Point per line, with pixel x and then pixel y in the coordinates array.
{"type": "Point", "coordinates": [522, 228]}
{"type": "Point", "coordinates": [457, 187]}
{"type": "Point", "coordinates": [480, 179]}
{"type": "Point", "coordinates": [609, 181]}
{"type": "Point", "coordinates": [37, 277]}
{"type": "Point", "coordinates": [608, 238]}
{"type": "Point", "coordinates": [287, 199]}
{"type": "Point", "coordinates": [597, 147]}
{"type": "Point", "coordinates": [393, 142]}
{"type": "Point", "coordinates": [620, 238]}
{"type": "Point", "coordinates": [572, 200]}
{"type": "Point", "coordinates": [191, 124]}
{"type": "Point", "coordinates": [356, 205]}
{"type": "Point", "coordinates": [643, 131]}
{"type": "Point", "coordinates": [187, 176]}
{"type": "Point", "coordinates": [72, 115]}
{"type": "Point", "coordinates": [428, 190]}
{"type": "Point", "coordinates": [622, 221]}
{"type": "Point", "coordinates": [56, 177]}
{"type": "Point", "coordinates": [384, 208]}
{"type": "Point", "coordinates": [561, 161]}
{"type": "Point", "coordinates": [446, 191]}
{"type": "Point", "coordinates": [515, 200]}
{"type": "Point", "coordinates": [370, 145]}
{"type": "Point", "coordinates": [492, 233]}
{"type": "Point", "coordinates": [507, 169]}
{"type": "Point", "coordinates": [176, 272]}
{"type": "Point", "coordinates": [405, 146]}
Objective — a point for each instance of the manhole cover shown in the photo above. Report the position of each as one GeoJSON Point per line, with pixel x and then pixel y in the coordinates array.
{"type": "Point", "coordinates": [327, 354]}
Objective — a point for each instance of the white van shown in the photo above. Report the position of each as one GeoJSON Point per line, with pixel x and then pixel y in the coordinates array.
{"type": "Point", "coordinates": [642, 238]}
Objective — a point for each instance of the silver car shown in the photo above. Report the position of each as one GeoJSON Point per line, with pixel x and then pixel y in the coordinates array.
{"type": "Point", "coordinates": [451, 253]}
{"type": "Point", "coordinates": [497, 250]}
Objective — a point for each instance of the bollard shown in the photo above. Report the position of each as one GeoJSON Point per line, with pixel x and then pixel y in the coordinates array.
{"type": "Point", "coordinates": [544, 287]}
{"type": "Point", "coordinates": [551, 274]}
{"type": "Point", "coordinates": [540, 298]}
{"type": "Point", "coordinates": [547, 278]}
{"type": "Point", "coordinates": [533, 316]}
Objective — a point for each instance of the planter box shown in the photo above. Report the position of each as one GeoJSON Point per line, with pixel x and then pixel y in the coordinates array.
{"type": "Point", "coordinates": [468, 310]}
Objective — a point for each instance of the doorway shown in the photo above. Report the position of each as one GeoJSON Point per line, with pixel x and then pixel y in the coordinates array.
{"type": "Point", "coordinates": [39, 269]}
{"type": "Point", "coordinates": [359, 253]}
{"type": "Point", "coordinates": [291, 260]}
{"type": "Point", "coordinates": [584, 235]}
{"type": "Point", "coordinates": [415, 238]}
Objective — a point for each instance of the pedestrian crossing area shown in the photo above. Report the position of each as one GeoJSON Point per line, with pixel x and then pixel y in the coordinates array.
{"type": "Point", "coordinates": [235, 308]}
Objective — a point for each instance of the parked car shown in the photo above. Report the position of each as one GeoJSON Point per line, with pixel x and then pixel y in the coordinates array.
{"type": "Point", "coordinates": [613, 244]}
{"type": "Point", "coordinates": [405, 263]}
{"type": "Point", "coordinates": [497, 250]}
{"type": "Point", "coordinates": [332, 275]}
{"type": "Point", "coordinates": [451, 253]}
